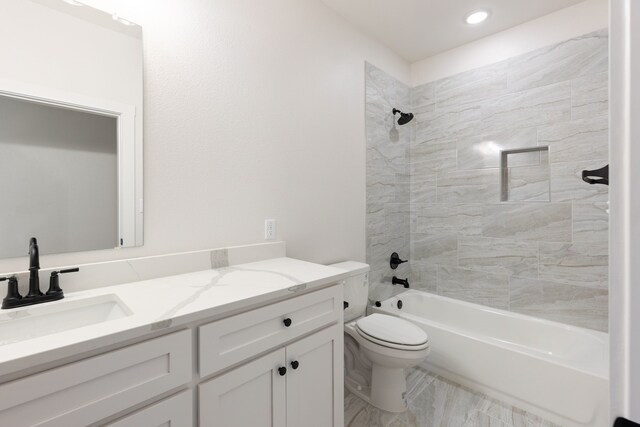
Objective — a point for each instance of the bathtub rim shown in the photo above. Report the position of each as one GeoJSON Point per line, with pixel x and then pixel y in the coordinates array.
{"type": "Point", "coordinates": [599, 372]}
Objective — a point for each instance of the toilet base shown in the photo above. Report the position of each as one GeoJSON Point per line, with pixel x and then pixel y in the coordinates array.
{"type": "Point", "coordinates": [389, 389]}
{"type": "Point", "coordinates": [391, 397]}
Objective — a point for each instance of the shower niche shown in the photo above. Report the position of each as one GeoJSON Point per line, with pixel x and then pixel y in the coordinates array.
{"type": "Point", "coordinates": [525, 175]}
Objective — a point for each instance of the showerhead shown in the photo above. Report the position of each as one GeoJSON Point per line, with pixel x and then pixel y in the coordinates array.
{"type": "Point", "coordinates": [404, 117]}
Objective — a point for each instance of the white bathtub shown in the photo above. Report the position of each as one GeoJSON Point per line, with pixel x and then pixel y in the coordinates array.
{"type": "Point", "coordinates": [556, 371]}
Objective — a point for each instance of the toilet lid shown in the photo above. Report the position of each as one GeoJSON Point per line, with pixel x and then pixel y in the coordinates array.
{"type": "Point", "coordinates": [392, 330]}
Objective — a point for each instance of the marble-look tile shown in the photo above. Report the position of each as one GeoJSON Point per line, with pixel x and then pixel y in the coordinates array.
{"type": "Point", "coordinates": [474, 286]}
{"type": "Point", "coordinates": [530, 183]}
{"type": "Point", "coordinates": [403, 188]}
{"type": "Point", "coordinates": [380, 86]}
{"type": "Point", "coordinates": [480, 152]}
{"type": "Point", "coordinates": [443, 218]}
{"type": "Point", "coordinates": [498, 256]}
{"type": "Point", "coordinates": [353, 406]}
{"type": "Point", "coordinates": [567, 184]}
{"type": "Point", "coordinates": [436, 401]}
{"type": "Point", "coordinates": [381, 187]}
{"type": "Point", "coordinates": [590, 222]}
{"type": "Point", "coordinates": [387, 156]}
{"type": "Point", "coordinates": [576, 140]}
{"type": "Point", "coordinates": [423, 276]}
{"type": "Point", "coordinates": [534, 107]}
{"type": "Point", "coordinates": [480, 419]}
{"type": "Point", "coordinates": [432, 157]}
{"type": "Point", "coordinates": [380, 247]}
{"type": "Point", "coordinates": [455, 120]}
{"type": "Point", "coordinates": [588, 54]}
{"type": "Point", "coordinates": [472, 86]}
{"type": "Point", "coordinates": [360, 414]}
{"type": "Point", "coordinates": [424, 189]}
{"type": "Point", "coordinates": [528, 221]}
{"type": "Point", "coordinates": [472, 186]}
{"type": "Point", "coordinates": [375, 218]}
{"type": "Point", "coordinates": [580, 264]}
{"type": "Point", "coordinates": [590, 96]}
{"type": "Point", "coordinates": [397, 219]}
{"type": "Point", "coordinates": [444, 403]}
{"type": "Point", "coordinates": [423, 98]}
{"type": "Point", "coordinates": [462, 80]}
{"type": "Point", "coordinates": [574, 305]}
{"type": "Point", "coordinates": [380, 287]}
{"type": "Point", "coordinates": [435, 249]}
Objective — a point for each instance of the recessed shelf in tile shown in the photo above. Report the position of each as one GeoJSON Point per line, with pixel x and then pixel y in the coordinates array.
{"type": "Point", "coordinates": [525, 183]}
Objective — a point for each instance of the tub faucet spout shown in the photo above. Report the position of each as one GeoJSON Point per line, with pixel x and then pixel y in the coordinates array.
{"type": "Point", "coordinates": [403, 282]}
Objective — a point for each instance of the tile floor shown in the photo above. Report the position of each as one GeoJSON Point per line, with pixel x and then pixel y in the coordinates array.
{"type": "Point", "coordinates": [437, 402]}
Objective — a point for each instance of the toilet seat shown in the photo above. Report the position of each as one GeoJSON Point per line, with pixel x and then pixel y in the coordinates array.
{"type": "Point", "coordinates": [393, 332]}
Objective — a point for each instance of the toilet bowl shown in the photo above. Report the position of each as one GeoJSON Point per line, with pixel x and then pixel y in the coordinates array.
{"type": "Point", "coordinates": [378, 347]}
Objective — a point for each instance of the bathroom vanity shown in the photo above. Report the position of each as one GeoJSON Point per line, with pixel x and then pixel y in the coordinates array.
{"type": "Point", "coordinates": [190, 349]}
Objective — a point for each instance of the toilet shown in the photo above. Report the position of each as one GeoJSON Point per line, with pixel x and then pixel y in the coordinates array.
{"type": "Point", "coordinates": [378, 347]}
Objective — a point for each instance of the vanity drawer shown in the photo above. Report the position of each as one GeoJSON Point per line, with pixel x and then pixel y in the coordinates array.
{"type": "Point", "coordinates": [229, 341]}
{"type": "Point", "coordinates": [173, 411]}
{"type": "Point", "coordinates": [84, 392]}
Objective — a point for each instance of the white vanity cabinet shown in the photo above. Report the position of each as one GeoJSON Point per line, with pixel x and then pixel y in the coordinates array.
{"type": "Point", "coordinates": [298, 381]}
{"type": "Point", "coordinates": [279, 365]}
{"type": "Point", "coordinates": [296, 386]}
{"type": "Point", "coordinates": [87, 391]}
{"type": "Point", "coordinates": [174, 411]}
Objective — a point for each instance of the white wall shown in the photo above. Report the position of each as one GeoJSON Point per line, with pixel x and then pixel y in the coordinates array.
{"type": "Point", "coordinates": [253, 110]}
{"type": "Point", "coordinates": [582, 18]}
{"type": "Point", "coordinates": [58, 170]}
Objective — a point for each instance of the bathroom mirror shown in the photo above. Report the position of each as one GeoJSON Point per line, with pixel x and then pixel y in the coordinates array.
{"type": "Point", "coordinates": [71, 101]}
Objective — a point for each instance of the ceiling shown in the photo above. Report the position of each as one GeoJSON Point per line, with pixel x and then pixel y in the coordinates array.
{"type": "Point", "coordinates": [418, 29]}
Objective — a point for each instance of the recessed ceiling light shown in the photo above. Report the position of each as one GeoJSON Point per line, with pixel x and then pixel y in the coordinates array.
{"type": "Point", "coordinates": [73, 2]}
{"type": "Point", "coordinates": [477, 16]}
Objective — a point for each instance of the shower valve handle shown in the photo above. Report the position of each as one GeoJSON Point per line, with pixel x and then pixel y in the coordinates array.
{"type": "Point", "coordinates": [395, 261]}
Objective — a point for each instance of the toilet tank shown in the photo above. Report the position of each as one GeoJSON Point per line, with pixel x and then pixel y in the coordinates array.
{"type": "Point", "coordinates": [356, 288]}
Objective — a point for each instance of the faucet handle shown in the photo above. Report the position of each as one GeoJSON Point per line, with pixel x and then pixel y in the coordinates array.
{"type": "Point", "coordinates": [13, 295]}
{"type": "Point", "coordinates": [54, 281]}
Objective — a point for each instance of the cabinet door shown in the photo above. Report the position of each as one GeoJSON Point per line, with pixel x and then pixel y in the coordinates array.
{"type": "Point", "coordinates": [175, 411]}
{"type": "Point", "coordinates": [250, 395]}
{"type": "Point", "coordinates": [315, 386]}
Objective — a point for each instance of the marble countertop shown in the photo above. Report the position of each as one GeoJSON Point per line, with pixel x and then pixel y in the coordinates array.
{"type": "Point", "coordinates": [167, 302]}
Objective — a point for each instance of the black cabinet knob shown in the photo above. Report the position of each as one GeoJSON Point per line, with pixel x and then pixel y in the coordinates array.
{"type": "Point", "coordinates": [287, 322]}
{"type": "Point", "coordinates": [295, 364]}
{"type": "Point", "coordinates": [282, 371]}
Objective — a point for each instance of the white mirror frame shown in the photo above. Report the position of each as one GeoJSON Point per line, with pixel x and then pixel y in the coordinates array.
{"type": "Point", "coordinates": [130, 187]}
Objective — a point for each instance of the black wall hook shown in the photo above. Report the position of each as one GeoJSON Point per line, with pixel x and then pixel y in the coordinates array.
{"type": "Point", "coordinates": [598, 176]}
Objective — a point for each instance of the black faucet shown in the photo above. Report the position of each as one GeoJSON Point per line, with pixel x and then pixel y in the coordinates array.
{"type": "Point", "coordinates": [34, 268]}
{"type": "Point", "coordinates": [403, 282]}
{"type": "Point", "coordinates": [35, 296]}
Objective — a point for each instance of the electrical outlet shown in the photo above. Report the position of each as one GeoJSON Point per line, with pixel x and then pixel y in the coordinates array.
{"type": "Point", "coordinates": [269, 229]}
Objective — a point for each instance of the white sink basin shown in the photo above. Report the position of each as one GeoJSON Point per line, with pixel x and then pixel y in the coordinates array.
{"type": "Point", "coordinates": [49, 318]}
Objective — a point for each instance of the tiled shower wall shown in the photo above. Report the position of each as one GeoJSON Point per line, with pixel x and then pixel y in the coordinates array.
{"type": "Point", "coordinates": [544, 251]}
{"type": "Point", "coordinates": [388, 181]}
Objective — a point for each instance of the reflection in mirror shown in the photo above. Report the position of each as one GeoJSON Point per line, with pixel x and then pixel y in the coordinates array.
{"type": "Point", "coordinates": [59, 169]}
{"type": "Point", "coordinates": [70, 128]}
